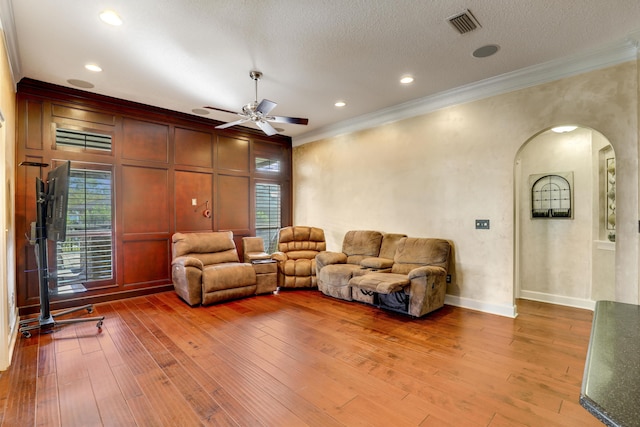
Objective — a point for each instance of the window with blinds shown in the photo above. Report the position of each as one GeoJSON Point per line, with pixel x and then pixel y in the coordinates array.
{"type": "Point", "coordinates": [267, 165]}
{"type": "Point", "coordinates": [82, 139]}
{"type": "Point", "coordinates": [87, 253]}
{"type": "Point", "coordinates": [268, 220]}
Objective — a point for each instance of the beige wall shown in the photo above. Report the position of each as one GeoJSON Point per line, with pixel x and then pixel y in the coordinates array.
{"type": "Point", "coordinates": [8, 310]}
{"type": "Point", "coordinates": [434, 174]}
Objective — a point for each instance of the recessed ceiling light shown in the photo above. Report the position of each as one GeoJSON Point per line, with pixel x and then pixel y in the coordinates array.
{"type": "Point", "coordinates": [201, 111]}
{"type": "Point", "coordinates": [487, 50]}
{"type": "Point", "coordinates": [93, 67]}
{"type": "Point", "coordinates": [110, 17]}
{"type": "Point", "coordinates": [80, 83]}
{"type": "Point", "coordinates": [564, 129]}
{"type": "Point", "coordinates": [340, 104]}
{"type": "Point", "coordinates": [405, 80]}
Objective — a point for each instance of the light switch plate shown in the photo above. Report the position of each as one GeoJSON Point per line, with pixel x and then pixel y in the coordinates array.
{"type": "Point", "coordinates": [482, 224]}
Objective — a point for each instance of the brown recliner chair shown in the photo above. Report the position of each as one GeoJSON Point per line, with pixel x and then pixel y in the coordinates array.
{"type": "Point", "coordinates": [206, 268]}
{"type": "Point", "coordinates": [296, 256]}
{"type": "Point", "coordinates": [416, 284]}
{"type": "Point", "coordinates": [363, 251]}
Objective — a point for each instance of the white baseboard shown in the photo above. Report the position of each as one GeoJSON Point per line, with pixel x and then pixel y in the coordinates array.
{"type": "Point", "coordinates": [7, 354]}
{"type": "Point", "coordinates": [558, 299]}
{"type": "Point", "coordinates": [501, 310]}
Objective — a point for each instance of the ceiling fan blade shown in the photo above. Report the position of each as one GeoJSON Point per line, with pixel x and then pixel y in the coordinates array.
{"type": "Point", "coordinates": [266, 127]}
{"type": "Point", "coordinates": [221, 109]}
{"type": "Point", "coordinates": [228, 125]}
{"type": "Point", "coordinates": [294, 120]}
{"type": "Point", "coordinates": [265, 106]}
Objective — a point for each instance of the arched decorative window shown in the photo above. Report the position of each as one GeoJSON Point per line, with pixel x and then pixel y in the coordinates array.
{"type": "Point", "coordinates": [551, 195]}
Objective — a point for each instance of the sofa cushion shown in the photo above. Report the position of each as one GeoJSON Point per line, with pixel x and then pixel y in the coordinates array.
{"type": "Point", "coordinates": [362, 242]}
{"type": "Point", "coordinates": [252, 244]}
{"type": "Point", "coordinates": [356, 259]}
{"type": "Point", "coordinates": [338, 274]}
{"type": "Point", "coordinates": [298, 238]}
{"type": "Point", "coordinates": [390, 244]}
{"type": "Point", "coordinates": [210, 248]}
{"type": "Point", "coordinates": [227, 276]}
{"type": "Point", "coordinates": [413, 252]}
{"type": "Point", "coordinates": [300, 267]}
{"type": "Point", "coordinates": [302, 254]}
{"type": "Point", "coordinates": [185, 243]}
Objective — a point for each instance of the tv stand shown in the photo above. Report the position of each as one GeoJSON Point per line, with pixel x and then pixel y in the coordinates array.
{"type": "Point", "coordinates": [46, 324]}
{"type": "Point", "coordinates": [46, 321]}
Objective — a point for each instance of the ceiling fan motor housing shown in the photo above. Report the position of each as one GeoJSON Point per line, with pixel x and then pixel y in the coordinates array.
{"type": "Point", "coordinates": [250, 109]}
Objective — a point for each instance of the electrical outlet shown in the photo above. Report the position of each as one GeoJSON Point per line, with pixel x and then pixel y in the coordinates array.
{"type": "Point", "coordinates": [194, 202]}
{"type": "Point", "coordinates": [482, 224]}
{"type": "Point", "coordinates": [448, 278]}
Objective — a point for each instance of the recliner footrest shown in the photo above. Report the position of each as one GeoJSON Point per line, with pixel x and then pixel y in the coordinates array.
{"type": "Point", "coordinates": [396, 301]}
{"type": "Point", "coordinates": [382, 283]}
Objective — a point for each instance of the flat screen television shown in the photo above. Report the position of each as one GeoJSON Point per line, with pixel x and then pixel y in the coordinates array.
{"type": "Point", "coordinates": [57, 191]}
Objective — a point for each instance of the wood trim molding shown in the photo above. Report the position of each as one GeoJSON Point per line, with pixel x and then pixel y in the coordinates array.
{"type": "Point", "coordinates": [8, 27]}
{"type": "Point", "coordinates": [131, 108]}
{"type": "Point", "coordinates": [607, 56]}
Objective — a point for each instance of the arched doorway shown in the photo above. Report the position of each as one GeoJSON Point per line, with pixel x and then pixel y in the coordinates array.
{"type": "Point", "coordinates": [565, 218]}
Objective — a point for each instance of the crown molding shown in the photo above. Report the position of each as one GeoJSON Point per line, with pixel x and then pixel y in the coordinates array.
{"type": "Point", "coordinates": [607, 56]}
{"type": "Point", "coordinates": [8, 26]}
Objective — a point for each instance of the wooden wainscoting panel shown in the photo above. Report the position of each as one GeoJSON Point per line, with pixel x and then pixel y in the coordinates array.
{"type": "Point", "coordinates": [190, 186]}
{"type": "Point", "coordinates": [82, 115]}
{"type": "Point", "coordinates": [193, 148]}
{"type": "Point", "coordinates": [233, 153]}
{"type": "Point", "coordinates": [232, 203]}
{"type": "Point", "coordinates": [33, 128]}
{"type": "Point", "coordinates": [145, 141]}
{"type": "Point", "coordinates": [146, 261]}
{"type": "Point", "coordinates": [145, 200]}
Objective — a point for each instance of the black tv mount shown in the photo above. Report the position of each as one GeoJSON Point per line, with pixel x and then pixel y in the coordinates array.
{"type": "Point", "coordinates": [46, 321]}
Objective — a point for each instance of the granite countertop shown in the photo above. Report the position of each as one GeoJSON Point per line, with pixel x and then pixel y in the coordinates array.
{"type": "Point", "coordinates": [611, 382]}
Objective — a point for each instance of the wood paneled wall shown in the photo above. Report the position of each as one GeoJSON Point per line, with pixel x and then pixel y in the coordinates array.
{"type": "Point", "coordinates": [161, 162]}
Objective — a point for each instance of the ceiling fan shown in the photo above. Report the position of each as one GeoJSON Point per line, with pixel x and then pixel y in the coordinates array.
{"type": "Point", "coordinates": [259, 113]}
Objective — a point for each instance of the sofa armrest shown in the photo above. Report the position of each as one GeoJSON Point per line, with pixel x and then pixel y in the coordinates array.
{"type": "Point", "coordinates": [427, 290]}
{"type": "Point", "coordinates": [325, 258]}
{"type": "Point", "coordinates": [186, 261]}
{"type": "Point", "coordinates": [279, 256]}
{"type": "Point", "coordinates": [186, 275]}
{"type": "Point", "coordinates": [426, 271]}
{"type": "Point", "coordinates": [377, 263]}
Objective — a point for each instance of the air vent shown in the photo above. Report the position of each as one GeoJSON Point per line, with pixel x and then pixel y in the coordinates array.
{"type": "Point", "coordinates": [464, 22]}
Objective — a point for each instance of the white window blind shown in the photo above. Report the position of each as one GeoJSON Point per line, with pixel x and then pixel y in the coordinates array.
{"type": "Point", "coordinates": [87, 253]}
{"type": "Point", "coordinates": [268, 222]}
{"type": "Point", "coordinates": [82, 139]}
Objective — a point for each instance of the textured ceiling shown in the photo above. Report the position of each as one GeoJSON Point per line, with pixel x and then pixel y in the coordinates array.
{"type": "Point", "coordinates": [184, 54]}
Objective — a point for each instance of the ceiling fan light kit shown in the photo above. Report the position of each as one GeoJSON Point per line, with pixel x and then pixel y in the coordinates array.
{"type": "Point", "coordinates": [258, 113]}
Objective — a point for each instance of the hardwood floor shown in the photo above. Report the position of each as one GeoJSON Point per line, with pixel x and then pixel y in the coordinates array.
{"type": "Point", "coordinates": [299, 358]}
